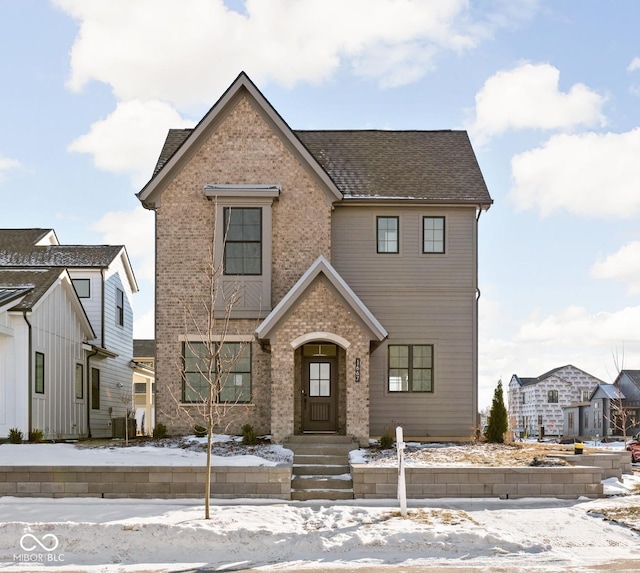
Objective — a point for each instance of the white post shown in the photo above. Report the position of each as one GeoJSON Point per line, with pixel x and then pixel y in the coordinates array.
{"type": "Point", "coordinates": [402, 486]}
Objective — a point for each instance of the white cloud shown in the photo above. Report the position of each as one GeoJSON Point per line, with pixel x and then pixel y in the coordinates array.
{"type": "Point", "coordinates": [188, 52]}
{"type": "Point", "coordinates": [528, 97]}
{"type": "Point", "coordinates": [623, 266]}
{"type": "Point", "coordinates": [134, 229]}
{"type": "Point", "coordinates": [591, 342]}
{"type": "Point", "coordinates": [634, 65]}
{"type": "Point", "coordinates": [6, 165]}
{"type": "Point", "coordinates": [591, 175]}
{"type": "Point", "coordinates": [130, 138]}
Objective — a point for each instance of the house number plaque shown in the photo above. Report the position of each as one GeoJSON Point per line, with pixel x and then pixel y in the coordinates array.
{"type": "Point", "coordinates": [357, 370]}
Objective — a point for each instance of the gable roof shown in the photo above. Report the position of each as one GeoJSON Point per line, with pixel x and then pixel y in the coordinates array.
{"type": "Point", "coordinates": [321, 266]}
{"type": "Point", "coordinates": [20, 238]}
{"type": "Point", "coordinates": [176, 152]}
{"type": "Point", "coordinates": [433, 166]}
{"type": "Point", "coordinates": [70, 256]}
{"type": "Point", "coordinates": [542, 377]}
{"type": "Point", "coordinates": [144, 348]}
{"type": "Point", "coordinates": [33, 283]}
{"type": "Point", "coordinates": [633, 375]}
{"type": "Point", "coordinates": [609, 391]}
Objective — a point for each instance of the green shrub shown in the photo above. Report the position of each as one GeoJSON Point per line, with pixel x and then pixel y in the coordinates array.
{"type": "Point", "coordinates": [200, 431]}
{"type": "Point", "coordinates": [36, 436]}
{"type": "Point", "coordinates": [160, 431]}
{"type": "Point", "coordinates": [15, 436]}
{"type": "Point", "coordinates": [387, 439]}
{"type": "Point", "coordinates": [249, 437]}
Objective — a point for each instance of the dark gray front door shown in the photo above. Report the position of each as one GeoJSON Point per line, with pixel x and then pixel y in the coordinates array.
{"type": "Point", "coordinates": [320, 393]}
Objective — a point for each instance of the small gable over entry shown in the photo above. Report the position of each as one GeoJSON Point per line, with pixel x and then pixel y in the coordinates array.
{"type": "Point", "coordinates": [319, 336]}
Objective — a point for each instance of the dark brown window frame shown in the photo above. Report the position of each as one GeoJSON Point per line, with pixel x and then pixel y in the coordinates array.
{"type": "Point", "coordinates": [378, 219]}
{"type": "Point", "coordinates": [444, 229]}
{"type": "Point", "coordinates": [227, 241]}
{"type": "Point", "coordinates": [119, 307]}
{"type": "Point", "coordinates": [38, 379]}
{"type": "Point", "coordinates": [411, 369]}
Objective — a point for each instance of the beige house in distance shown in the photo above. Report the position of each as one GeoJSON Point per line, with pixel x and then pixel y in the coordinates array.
{"type": "Point", "coordinates": [352, 257]}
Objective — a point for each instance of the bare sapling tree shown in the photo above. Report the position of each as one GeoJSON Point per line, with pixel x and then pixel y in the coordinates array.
{"type": "Point", "coordinates": [126, 399]}
{"type": "Point", "coordinates": [620, 417]}
{"type": "Point", "coordinates": [213, 367]}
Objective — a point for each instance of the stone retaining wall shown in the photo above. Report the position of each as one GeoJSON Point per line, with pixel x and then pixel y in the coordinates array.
{"type": "Point", "coordinates": [565, 482]}
{"type": "Point", "coordinates": [145, 482]}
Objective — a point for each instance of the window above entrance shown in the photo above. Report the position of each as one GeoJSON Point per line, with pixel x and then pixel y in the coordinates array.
{"type": "Point", "coordinates": [312, 350]}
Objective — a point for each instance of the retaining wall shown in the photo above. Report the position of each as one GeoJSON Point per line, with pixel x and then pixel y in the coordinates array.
{"type": "Point", "coordinates": [145, 482]}
{"type": "Point", "coordinates": [613, 464]}
{"type": "Point", "coordinates": [565, 482]}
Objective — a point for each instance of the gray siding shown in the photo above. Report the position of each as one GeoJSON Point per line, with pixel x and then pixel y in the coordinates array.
{"type": "Point", "coordinates": [420, 299]}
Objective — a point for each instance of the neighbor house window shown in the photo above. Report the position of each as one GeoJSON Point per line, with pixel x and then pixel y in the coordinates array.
{"type": "Point", "coordinates": [39, 381]}
{"type": "Point", "coordinates": [552, 396]}
{"type": "Point", "coordinates": [79, 381]}
{"type": "Point", "coordinates": [586, 420]}
{"type": "Point", "coordinates": [140, 388]}
{"type": "Point", "coordinates": [119, 307]}
{"type": "Point", "coordinates": [585, 395]}
{"type": "Point", "coordinates": [570, 420]}
{"type": "Point", "coordinates": [539, 419]}
{"type": "Point", "coordinates": [225, 368]}
{"type": "Point", "coordinates": [524, 398]}
{"type": "Point", "coordinates": [433, 234]}
{"type": "Point", "coordinates": [95, 389]}
{"type": "Point", "coordinates": [83, 287]}
{"type": "Point", "coordinates": [243, 241]}
{"type": "Point", "coordinates": [410, 368]}
{"type": "Point", "coordinates": [388, 234]}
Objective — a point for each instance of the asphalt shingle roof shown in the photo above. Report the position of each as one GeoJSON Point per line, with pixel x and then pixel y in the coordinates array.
{"type": "Point", "coordinates": [19, 238]}
{"type": "Point", "coordinates": [69, 256]}
{"type": "Point", "coordinates": [34, 281]}
{"type": "Point", "coordinates": [437, 166]}
{"type": "Point", "coordinates": [144, 348]}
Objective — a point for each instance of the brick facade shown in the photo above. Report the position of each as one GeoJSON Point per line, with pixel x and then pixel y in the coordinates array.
{"type": "Point", "coordinates": [242, 148]}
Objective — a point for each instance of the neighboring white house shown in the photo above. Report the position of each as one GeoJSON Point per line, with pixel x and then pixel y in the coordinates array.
{"type": "Point", "coordinates": [144, 352]}
{"type": "Point", "coordinates": [100, 287]}
{"type": "Point", "coordinates": [536, 404]}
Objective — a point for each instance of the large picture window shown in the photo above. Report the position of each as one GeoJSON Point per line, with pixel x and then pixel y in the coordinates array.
{"type": "Point", "coordinates": [243, 241]}
{"type": "Point", "coordinates": [410, 368]}
{"type": "Point", "coordinates": [229, 373]}
{"type": "Point", "coordinates": [433, 234]}
{"type": "Point", "coordinates": [387, 234]}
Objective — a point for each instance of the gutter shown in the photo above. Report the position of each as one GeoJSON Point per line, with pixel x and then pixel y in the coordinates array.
{"type": "Point", "coordinates": [29, 374]}
{"type": "Point", "coordinates": [102, 309]}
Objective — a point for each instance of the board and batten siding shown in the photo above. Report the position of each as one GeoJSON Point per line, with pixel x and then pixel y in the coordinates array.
{"type": "Point", "coordinates": [420, 299]}
{"type": "Point", "coordinates": [57, 333]}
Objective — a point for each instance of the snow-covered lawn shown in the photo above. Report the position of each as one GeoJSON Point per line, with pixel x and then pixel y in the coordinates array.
{"type": "Point", "coordinates": [88, 534]}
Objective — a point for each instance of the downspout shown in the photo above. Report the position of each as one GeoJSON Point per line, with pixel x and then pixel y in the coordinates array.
{"type": "Point", "coordinates": [29, 374]}
{"type": "Point", "coordinates": [88, 392]}
{"type": "Point", "coordinates": [102, 311]}
{"type": "Point", "coordinates": [477, 318]}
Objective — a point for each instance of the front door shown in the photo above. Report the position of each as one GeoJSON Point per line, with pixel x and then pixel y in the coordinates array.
{"type": "Point", "coordinates": [320, 393]}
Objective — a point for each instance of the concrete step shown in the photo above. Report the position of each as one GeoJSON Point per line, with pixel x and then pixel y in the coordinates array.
{"type": "Point", "coordinates": [318, 460]}
{"type": "Point", "coordinates": [320, 449]}
{"type": "Point", "coordinates": [314, 482]}
{"type": "Point", "coordinates": [320, 469]}
{"type": "Point", "coordinates": [320, 439]}
{"type": "Point", "coordinates": [316, 494]}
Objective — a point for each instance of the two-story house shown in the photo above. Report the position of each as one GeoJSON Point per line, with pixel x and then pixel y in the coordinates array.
{"type": "Point", "coordinates": [536, 405]}
{"type": "Point", "coordinates": [344, 261]}
{"type": "Point", "coordinates": [67, 344]}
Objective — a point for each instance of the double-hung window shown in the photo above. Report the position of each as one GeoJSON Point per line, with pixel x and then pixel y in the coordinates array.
{"type": "Point", "coordinates": [243, 241]}
{"type": "Point", "coordinates": [410, 368]}
{"type": "Point", "coordinates": [552, 397]}
{"type": "Point", "coordinates": [433, 234]}
{"type": "Point", "coordinates": [219, 369]}
{"type": "Point", "coordinates": [388, 234]}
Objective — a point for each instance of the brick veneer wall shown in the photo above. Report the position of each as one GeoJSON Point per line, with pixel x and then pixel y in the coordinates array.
{"type": "Point", "coordinates": [241, 148]}
{"type": "Point", "coordinates": [321, 310]}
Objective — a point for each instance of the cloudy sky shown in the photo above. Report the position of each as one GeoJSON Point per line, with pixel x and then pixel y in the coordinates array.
{"type": "Point", "coordinates": [549, 91]}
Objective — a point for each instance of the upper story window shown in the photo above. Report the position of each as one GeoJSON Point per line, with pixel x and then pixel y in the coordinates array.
{"type": "Point", "coordinates": [524, 398]}
{"type": "Point", "coordinates": [410, 368]}
{"type": "Point", "coordinates": [39, 379]}
{"type": "Point", "coordinates": [243, 241]}
{"type": "Point", "coordinates": [119, 307]}
{"type": "Point", "coordinates": [388, 234]}
{"type": "Point", "coordinates": [552, 396]}
{"type": "Point", "coordinates": [433, 234]}
{"type": "Point", "coordinates": [585, 395]}
{"type": "Point", "coordinates": [83, 287]}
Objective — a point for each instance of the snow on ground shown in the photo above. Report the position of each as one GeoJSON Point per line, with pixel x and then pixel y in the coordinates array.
{"type": "Point", "coordinates": [89, 534]}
